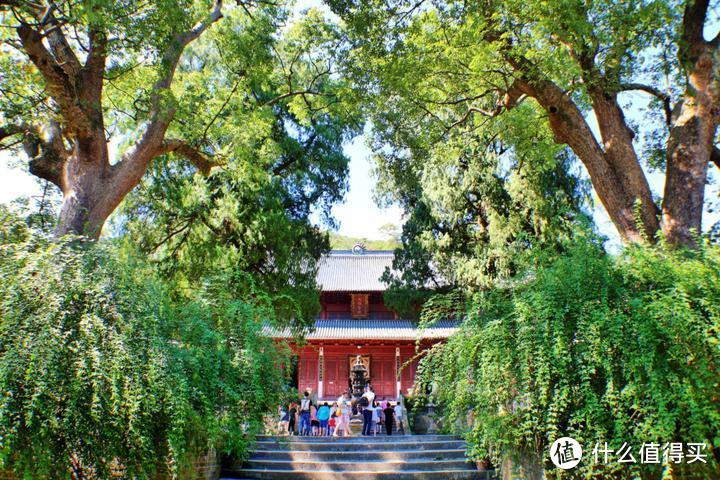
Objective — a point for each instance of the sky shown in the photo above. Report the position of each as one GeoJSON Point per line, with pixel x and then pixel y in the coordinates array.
{"type": "Point", "coordinates": [359, 216]}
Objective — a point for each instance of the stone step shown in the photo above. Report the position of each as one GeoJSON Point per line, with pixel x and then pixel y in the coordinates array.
{"type": "Point", "coordinates": [361, 455]}
{"type": "Point", "coordinates": [250, 474]}
{"type": "Point", "coordinates": [332, 445]}
{"type": "Point", "coordinates": [419, 457]}
{"type": "Point", "coordinates": [358, 438]}
{"type": "Point", "coordinates": [351, 466]}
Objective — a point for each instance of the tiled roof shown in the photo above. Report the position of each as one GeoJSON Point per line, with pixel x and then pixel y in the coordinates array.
{"type": "Point", "coordinates": [371, 330]}
{"type": "Point", "coordinates": [344, 271]}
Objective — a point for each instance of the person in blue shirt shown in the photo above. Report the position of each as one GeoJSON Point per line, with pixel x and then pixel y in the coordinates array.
{"type": "Point", "coordinates": [323, 416]}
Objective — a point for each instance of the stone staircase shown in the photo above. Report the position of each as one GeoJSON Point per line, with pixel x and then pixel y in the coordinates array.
{"type": "Point", "coordinates": [397, 457]}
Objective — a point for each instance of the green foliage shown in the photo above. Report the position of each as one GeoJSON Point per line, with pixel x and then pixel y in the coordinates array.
{"type": "Point", "coordinates": [99, 365]}
{"type": "Point", "coordinates": [471, 159]}
{"type": "Point", "coordinates": [271, 107]}
{"type": "Point", "coordinates": [344, 242]}
{"type": "Point", "coordinates": [597, 348]}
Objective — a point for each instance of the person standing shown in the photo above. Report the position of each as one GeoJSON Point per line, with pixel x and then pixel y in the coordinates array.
{"type": "Point", "coordinates": [331, 424]}
{"type": "Point", "coordinates": [305, 404]}
{"type": "Point", "coordinates": [314, 422]}
{"type": "Point", "coordinates": [389, 418]}
{"type": "Point", "coordinates": [378, 415]}
{"type": "Point", "coordinates": [366, 403]}
{"type": "Point", "coordinates": [374, 411]}
{"type": "Point", "coordinates": [292, 413]}
{"type": "Point", "coordinates": [399, 418]}
{"type": "Point", "coordinates": [323, 416]}
{"type": "Point", "coordinates": [283, 419]}
{"type": "Point", "coordinates": [369, 394]}
{"type": "Point", "coordinates": [344, 419]}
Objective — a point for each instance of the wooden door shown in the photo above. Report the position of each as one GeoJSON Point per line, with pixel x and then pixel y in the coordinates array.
{"type": "Point", "coordinates": [382, 373]}
{"type": "Point", "coordinates": [307, 374]}
{"type": "Point", "coordinates": [336, 376]}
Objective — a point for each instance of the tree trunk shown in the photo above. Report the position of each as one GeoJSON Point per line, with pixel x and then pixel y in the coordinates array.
{"type": "Point", "coordinates": [92, 188]}
{"type": "Point", "coordinates": [689, 149]}
{"type": "Point", "coordinates": [617, 179]}
{"type": "Point", "coordinates": [86, 189]}
{"type": "Point", "coordinates": [620, 153]}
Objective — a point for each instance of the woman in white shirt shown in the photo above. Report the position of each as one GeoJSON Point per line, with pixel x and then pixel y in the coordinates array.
{"type": "Point", "coordinates": [343, 420]}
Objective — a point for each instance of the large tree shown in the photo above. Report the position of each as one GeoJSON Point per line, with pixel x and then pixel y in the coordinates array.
{"type": "Point", "coordinates": [77, 76]}
{"type": "Point", "coordinates": [285, 163]}
{"type": "Point", "coordinates": [467, 64]}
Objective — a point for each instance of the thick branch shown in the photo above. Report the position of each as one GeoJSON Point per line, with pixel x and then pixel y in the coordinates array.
{"type": "Point", "coordinates": [94, 70]}
{"type": "Point", "coordinates": [44, 148]}
{"type": "Point", "coordinates": [136, 160]}
{"type": "Point", "coordinates": [569, 126]}
{"type": "Point", "coordinates": [715, 156]}
{"type": "Point", "coordinates": [660, 95]}
{"type": "Point", "coordinates": [172, 54]}
{"type": "Point", "coordinates": [56, 79]}
{"type": "Point", "coordinates": [59, 45]}
{"type": "Point", "coordinates": [692, 41]}
{"type": "Point", "coordinates": [195, 156]}
{"type": "Point", "coordinates": [509, 100]}
{"type": "Point", "coordinates": [10, 130]}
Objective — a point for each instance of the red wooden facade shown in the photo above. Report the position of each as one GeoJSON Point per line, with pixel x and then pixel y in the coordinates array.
{"type": "Point", "coordinates": [354, 320]}
{"type": "Point", "coordinates": [324, 367]}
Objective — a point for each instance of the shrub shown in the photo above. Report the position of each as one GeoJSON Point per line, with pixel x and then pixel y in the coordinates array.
{"type": "Point", "coordinates": [597, 348]}
{"type": "Point", "coordinates": [100, 365]}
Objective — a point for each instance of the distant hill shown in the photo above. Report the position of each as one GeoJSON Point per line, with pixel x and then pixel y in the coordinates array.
{"type": "Point", "coordinates": [342, 242]}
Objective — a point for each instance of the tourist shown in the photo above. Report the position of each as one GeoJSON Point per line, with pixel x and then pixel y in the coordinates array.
{"type": "Point", "coordinates": [283, 419]}
{"type": "Point", "coordinates": [389, 417]}
{"type": "Point", "coordinates": [331, 424]}
{"type": "Point", "coordinates": [305, 404]}
{"type": "Point", "coordinates": [323, 416]}
{"type": "Point", "coordinates": [375, 418]}
{"type": "Point", "coordinates": [399, 418]}
{"type": "Point", "coordinates": [366, 403]}
{"type": "Point", "coordinates": [370, 394]}
{"type": "Point", "coordinates": [336, 415]}
{"type": "Point", "coordinates": [378, 416]}
{"type": "Point", "coordinates": [292, 418]}
{"type": "Point", "coordinates": [314, 422]}
{"type": "Point", "coordinates": [344, 408]}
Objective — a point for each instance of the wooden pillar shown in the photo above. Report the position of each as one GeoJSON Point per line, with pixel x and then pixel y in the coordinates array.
{"type": "Point", "coordinates": [321, 373]}
{"type": "Point", "coordinates": [398, 388]}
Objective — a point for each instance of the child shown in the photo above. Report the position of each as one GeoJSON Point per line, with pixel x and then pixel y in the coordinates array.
{"type": "Point", "coordinates": [331, 425]}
